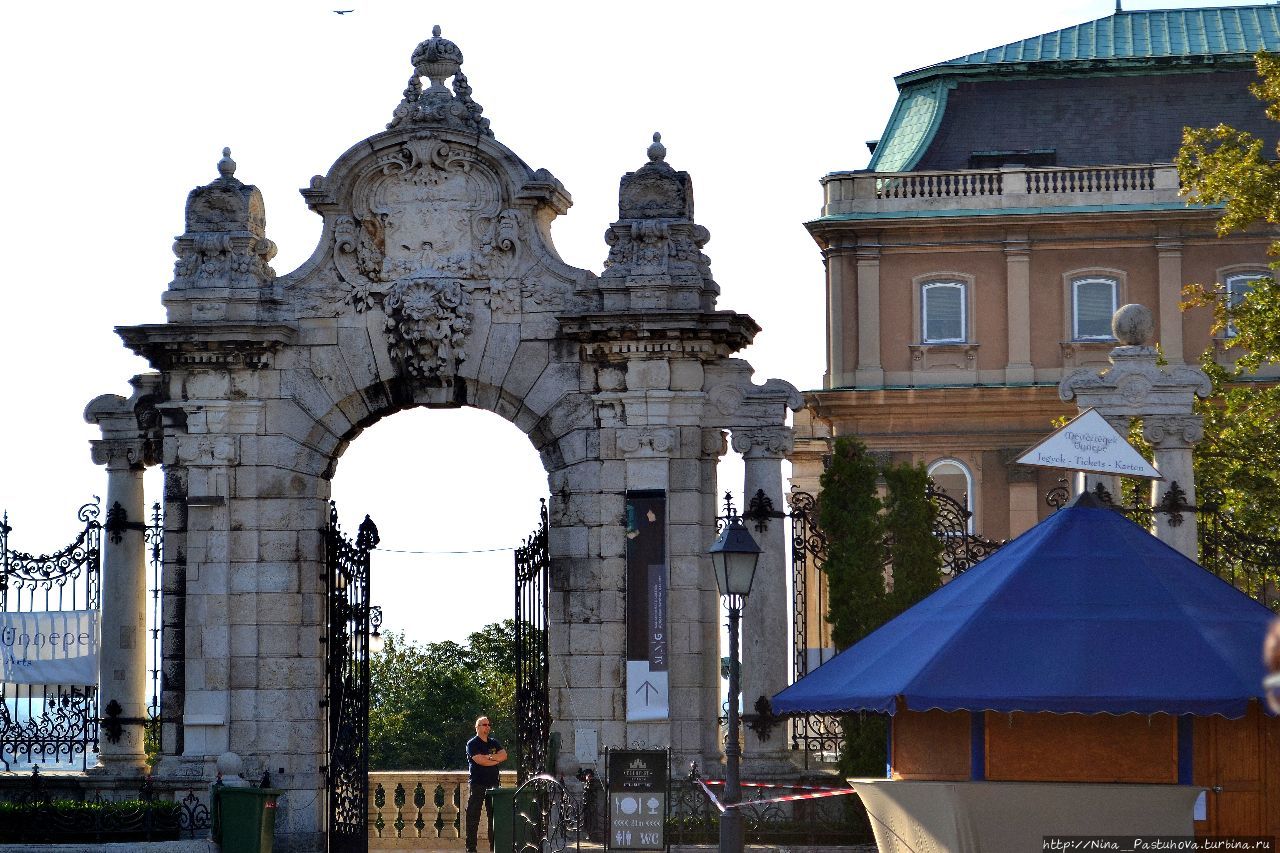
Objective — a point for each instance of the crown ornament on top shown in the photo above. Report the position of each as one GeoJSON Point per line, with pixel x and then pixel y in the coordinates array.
{"type": "Point", "coordinates": [438, 59]}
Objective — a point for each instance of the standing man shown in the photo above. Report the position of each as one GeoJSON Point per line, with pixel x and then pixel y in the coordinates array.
{"type": "Point", "coordinates": [484, 754]}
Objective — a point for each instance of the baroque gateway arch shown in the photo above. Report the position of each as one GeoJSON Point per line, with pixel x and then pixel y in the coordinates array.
{"type": "Point", "coordinates": [435, 283]}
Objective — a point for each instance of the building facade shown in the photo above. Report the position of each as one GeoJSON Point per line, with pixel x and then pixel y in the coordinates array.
{"type": "Point", "coordinates": [1017, 197]}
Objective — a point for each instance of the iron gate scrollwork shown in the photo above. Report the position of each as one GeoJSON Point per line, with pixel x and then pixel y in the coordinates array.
{"type": "Point", "coordinates": [51, 723]}
{"type": "Point", "coordinates": [347, 672]}
{"type": "Point", "coordinates": [533, 706]}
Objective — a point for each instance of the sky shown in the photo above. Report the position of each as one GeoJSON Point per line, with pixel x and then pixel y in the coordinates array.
{"type": "Point", "coordinates": [113, 112]}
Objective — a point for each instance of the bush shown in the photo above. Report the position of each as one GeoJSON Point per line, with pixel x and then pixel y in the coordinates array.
{"type": "Point", "coordinates": [71, 821]}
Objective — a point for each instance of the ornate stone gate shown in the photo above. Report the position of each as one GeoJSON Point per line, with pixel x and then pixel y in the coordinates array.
{"type": "Point", "coordinates": [435, 284]}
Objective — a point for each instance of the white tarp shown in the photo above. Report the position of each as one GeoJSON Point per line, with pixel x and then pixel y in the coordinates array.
{"type": "Point", "coordinates": [1089, 443]}
{"type": "Point", "coordinates": [54, 647]}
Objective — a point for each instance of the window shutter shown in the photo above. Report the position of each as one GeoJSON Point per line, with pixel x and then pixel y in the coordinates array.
{"type": "Point", "coordinates": [1095, 304]}
{"type": "Point", "coordinates": [943, 313]}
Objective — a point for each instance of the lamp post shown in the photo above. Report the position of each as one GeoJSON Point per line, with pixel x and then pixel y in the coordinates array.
{"type": "Point", "coordinates": [733, 557]}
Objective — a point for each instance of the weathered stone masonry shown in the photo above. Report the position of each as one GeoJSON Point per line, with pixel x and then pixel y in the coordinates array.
{"type": "Point", "coordinates": [435, 284]}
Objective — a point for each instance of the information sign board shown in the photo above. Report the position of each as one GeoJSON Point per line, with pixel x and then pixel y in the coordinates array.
{"type": "Point", "coordinates": [637, 784]}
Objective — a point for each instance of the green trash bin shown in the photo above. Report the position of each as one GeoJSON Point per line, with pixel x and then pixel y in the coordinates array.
{"type": "Point", "coordinates": [244, 819]}
{"type": "Point", "coordinates": [502, 803]}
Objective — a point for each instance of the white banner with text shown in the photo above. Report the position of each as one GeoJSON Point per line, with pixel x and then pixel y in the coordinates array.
{"type": "Point", "coordinates": [52, 647]}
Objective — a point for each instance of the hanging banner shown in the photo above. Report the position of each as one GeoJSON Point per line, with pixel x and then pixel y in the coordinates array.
{"type": "Point", "coordinates": [53, 647]}
{"type": "Point", "coordinates": [647, 639]}
{"type": "Point", "coordinates": [1089, 443]}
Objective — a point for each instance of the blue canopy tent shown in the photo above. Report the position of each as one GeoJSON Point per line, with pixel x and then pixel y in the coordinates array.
{"type": "Point", "coordinates": [1086, 612]}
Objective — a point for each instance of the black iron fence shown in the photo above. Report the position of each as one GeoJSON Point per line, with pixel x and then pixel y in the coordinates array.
{"type": "Point", "coordinates": [72, 808]}
{"type": "Point", "coordinates": [50, 723]}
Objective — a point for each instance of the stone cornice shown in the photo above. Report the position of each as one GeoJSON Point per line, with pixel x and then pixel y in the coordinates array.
{"type": "Point", "coordinates": [621, 336]}
{"type": "Point", "coordinates": [207, 345]}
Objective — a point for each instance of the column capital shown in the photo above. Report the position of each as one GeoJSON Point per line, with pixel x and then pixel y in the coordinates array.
{"type": "Point", "coordinates": [131, 433]}
{"type": "Point", "coordinates": [119, 454]}
{"type": "Point", "coordinates": [1169, 432]}
{"type": "Point", "coordinates": [764, 442]}
{"type": "Point", "coordinates": [715, 443]}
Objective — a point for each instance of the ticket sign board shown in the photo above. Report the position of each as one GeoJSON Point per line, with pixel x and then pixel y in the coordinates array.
{"type": "Point", "coordinates": [637, 785]}
{"type": "Point", "coordinates": [1089, 443]}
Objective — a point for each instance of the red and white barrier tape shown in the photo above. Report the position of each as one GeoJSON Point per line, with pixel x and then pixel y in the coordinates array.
{"type": "Point", "coordinates": [816, 794]}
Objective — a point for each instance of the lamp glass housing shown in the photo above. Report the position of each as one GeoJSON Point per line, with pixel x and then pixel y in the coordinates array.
{"type": "Point", "coordinates": [734, 556]}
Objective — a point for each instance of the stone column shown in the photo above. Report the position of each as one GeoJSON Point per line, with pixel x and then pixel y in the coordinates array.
{"type": "Point", "coordinates": [764, 616]}
{"type": "Point", "coordinates": [1017, 258]}
{"type": "Point", "coordinates": [1169, 253]}
{"type": "Point", "coordinates": [1173, 436]}
{"type": "Point", "coordinates": [122, 653]}
{"type": "Point", "coordinates": [870, 371]}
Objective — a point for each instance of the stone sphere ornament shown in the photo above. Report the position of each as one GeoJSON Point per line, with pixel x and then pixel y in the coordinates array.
{"type": "Point", "coordinates": [1133, 325]}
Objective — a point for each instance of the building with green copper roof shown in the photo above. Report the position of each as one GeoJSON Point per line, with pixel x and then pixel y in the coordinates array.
{"type": "Point", "coordinates": [1017, 102]}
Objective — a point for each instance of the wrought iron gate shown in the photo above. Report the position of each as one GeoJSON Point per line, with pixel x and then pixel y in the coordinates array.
{"type": "Point", "coordinates": [533, 706]}
{"type": "Point", "coordinates": [347, 671]}
{"type": "Point", "coordinates": [50, 724]}
{"type": "Point", "coordinates": [820, 735]}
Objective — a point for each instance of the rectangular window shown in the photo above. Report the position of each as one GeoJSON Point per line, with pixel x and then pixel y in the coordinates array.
{"type": "Point", "coordinates": [1238, 287]}
{"type": "Point", "coordinates": [943, 305]}
{"type": "Point", "coordinates": [1093, 303]}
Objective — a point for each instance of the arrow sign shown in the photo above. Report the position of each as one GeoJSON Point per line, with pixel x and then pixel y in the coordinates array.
{"type": "Point", "coordinates": [648, 693]}
{"type": "Point", "coordinates": [1089, 443]}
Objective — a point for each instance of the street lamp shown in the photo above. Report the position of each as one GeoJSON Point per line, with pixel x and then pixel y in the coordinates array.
{"type": "Point", "coordinates": [733, 557]}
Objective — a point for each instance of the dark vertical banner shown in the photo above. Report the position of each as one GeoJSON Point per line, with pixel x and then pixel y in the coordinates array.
{"type": "Point", "coordinates": [647, 576]}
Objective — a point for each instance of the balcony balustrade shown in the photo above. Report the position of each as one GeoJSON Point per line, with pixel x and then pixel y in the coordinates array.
{"type": "Point", "coordinates": [422, 810]}
{"type": "Point", "coordinates": [1007, 188]}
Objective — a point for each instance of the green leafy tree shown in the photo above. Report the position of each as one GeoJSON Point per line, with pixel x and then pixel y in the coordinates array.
{"type": "Point", "coordinates": [849, 515]}
{"type": "Point", "coordinates": [1239, 457]}
{"type": "Point", "coordinates": [424, 698]}
{"type": "Point", "coordinates": [914, 552]}
{"type": "Point", "coordinates": [869, 542]}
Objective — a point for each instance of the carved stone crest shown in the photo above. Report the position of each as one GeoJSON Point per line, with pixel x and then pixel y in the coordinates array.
{"type": "Point", "coordinates": [428, 320]}
{"type": "Point", "coordinates": [427, 227]}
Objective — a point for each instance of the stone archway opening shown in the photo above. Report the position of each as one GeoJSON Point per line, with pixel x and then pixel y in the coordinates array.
{"type": "Point", "coordinates": [453, 492]}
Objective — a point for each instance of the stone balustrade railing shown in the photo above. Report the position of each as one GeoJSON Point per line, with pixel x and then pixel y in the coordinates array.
{"type": "Point", "coordinates": [421, 810]}
{"type": "Point", "coordinates": [995, 189]}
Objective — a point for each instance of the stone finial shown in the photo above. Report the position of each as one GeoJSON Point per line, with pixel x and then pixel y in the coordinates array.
{"type": "Point", "coordinates": [657, 151]}
{"type": "Point", "coordinates": [225, 242]}
{"type": "Point", "coordinates": [1133, 326]}
{"type": "Point", "coordinates": [655, 248]}
{"type": "Point", "coordinates": [227, 166]}
{"type": "Point", "coordinates": [438, 59]}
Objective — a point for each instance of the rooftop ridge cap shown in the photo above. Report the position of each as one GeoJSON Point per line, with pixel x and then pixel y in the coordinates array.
{"type": "Point", "coordinates": [1168, 50]}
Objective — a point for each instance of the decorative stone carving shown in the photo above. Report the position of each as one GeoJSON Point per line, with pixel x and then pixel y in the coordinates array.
{"type": "Point", "coordinates": [428, 321]}
{"type": "Point", "coordinates": [428, 228]}
{"type": "Point", "coordinates": [225, 242]}
{"type": "Point", "coordinates": [764, 442]}
{"type": "Point", "coordinates": [1173, 430]}
{"type": "Point", "coordinates": [646, 442]}
{"type": "Point", "coordinates": [438, 59]}
{"type": "Point", "coordinates": [655, 247]}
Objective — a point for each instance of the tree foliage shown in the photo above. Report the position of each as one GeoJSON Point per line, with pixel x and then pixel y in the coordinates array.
{"type": "Point", "coordinates": [1239, 457]}
{"type": "Point", "coordinates": [882, 557]}
{"type": "Point", "coordinates": [424, 698]}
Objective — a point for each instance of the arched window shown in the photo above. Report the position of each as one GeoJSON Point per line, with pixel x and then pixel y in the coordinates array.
{"type": "Point", "coordinates": [1093, 302]}
{"type": "Point", "coordinates": [943, 315]}
{"type": "Point", "coordinates": [953, 477]}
